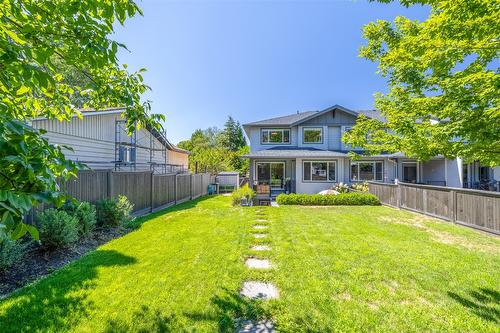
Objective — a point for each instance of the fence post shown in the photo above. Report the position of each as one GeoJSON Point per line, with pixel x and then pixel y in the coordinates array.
{"type": "Point", "coordinates": [151, 201]}
{"type": "Point", "coordinates": [398, 193]}
{"type": "Point", "coordinates": [175, 189]}
{"type": "Point", "coordinates": [110, 184]}
{"type": "Point", "coordinates": [191, 187]}
{"type": "Point", "coordinates": [453, 206]}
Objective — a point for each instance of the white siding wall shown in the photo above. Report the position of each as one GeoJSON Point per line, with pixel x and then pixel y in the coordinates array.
{"type": "Point", "coordinates": [93, 140]}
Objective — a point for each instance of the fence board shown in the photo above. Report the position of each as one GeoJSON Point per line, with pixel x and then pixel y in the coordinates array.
{"type": "Point", "coordinates": [183, 187]}
{"type": "Point", "coordinates": [473, 208]}
{"type": "Point", "coordinates": [163, 190]}
{"type": "Point", "coordinates": [136, 186]}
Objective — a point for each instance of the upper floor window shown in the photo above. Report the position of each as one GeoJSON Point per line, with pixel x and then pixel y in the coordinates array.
{"type": "Point", "coordinates": [275, 135]}
{"type": "Point", "coordinates": [312, 135]}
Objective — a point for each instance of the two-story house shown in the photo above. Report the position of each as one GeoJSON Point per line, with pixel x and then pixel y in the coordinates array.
{"type": "Point", "coordinates": [304, 153]}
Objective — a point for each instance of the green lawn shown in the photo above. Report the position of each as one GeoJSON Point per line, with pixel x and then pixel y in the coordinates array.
{"type": "Point", "coordinates": [372, 269]}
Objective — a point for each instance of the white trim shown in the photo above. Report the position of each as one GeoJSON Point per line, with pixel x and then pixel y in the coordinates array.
{"type": "Point", "coordinates": [321, 136]}
{"type": "Point", "coordinates": [85, 114]}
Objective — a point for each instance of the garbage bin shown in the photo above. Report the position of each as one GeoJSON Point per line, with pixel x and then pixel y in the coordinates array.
{"type": "Point", "coordinates": [213, 188]}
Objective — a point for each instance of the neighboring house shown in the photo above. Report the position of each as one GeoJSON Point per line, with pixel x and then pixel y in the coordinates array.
{"type": "Point", "coordinates": [304, 153]}
{"type": "Point", "coordinates": [178, 156]}
{"type": "Point", "coordinates": [100, 140]}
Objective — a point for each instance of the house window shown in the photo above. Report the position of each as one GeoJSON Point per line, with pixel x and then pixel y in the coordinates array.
{"type": "Point", "coordinates": [366, 170]}
{"type": "Point", "coordinates": [312, 135]}
{"type": "Point", "coordinates": [275, 136]}
{"type": "Point", "coordinates": [319, 171]}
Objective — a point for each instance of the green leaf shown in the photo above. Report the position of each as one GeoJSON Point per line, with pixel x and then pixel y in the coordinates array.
{"type": "Point", "coordinates": [33, 231]}
{"type": "Point", "coordinates": [19, 231]}
{"type": "Point", "coordinates": [22, 90]}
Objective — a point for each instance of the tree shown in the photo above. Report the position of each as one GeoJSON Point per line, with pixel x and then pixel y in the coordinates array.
{"type": "Point", "coordinates": [214, 150]}
{"type": "Point", "coordinates": [39, 41]}
{"type": "Point", "coordinates": [232, 136]}
{"type": "Point", "coordinates": [444, 83]}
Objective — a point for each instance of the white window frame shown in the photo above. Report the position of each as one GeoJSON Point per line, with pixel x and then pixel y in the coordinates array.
{"type": "Point", "coordinates": [374, 165]}
{"type": "Point", "coordinates": [304, 129]}
{"type": "Point", "coordinates": [282, 130]}
{"type": "Point", "coordinates": [328, 163]}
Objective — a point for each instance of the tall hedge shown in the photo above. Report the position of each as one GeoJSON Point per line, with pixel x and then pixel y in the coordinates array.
{"type": "Point", "coordinates": [343, 199]}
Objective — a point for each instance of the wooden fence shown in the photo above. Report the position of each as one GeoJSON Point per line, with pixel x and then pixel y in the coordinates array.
{"type": "Point", "coordinates": [472, 208]}
{"type": "Point", "coordinates": [147, 191]}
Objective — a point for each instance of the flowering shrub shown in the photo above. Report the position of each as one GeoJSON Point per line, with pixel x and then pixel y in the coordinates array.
{"type": "Point", "coordinates": [341, 188]}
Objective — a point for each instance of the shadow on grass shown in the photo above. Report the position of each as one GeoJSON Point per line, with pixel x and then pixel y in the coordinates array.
{"type": "Point", "coordinates": [137, 222]}
{"type": "Point", "coordinates": [484, 303]}
{"type": "Point", "coordinates": [59, 301]}
{"type": "Point", "coordinates": [223, 312]}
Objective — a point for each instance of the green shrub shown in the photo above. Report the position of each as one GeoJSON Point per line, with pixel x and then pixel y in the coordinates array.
{"type": "Point", "coordinates": [57, 228]}
{"type": "Point", "coordinates": [243, 192]}
{"type": "Point", "coordinates": [86, 215]}
{"type": "Point", "coordinates": [11, 251]}
{"type": "Point", "coordinates": [343, 199]}
{"type": "Point", "coordinates": [114, 212]}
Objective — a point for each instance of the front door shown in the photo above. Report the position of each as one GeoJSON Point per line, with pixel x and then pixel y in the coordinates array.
{"type": "Point", "coordinates": [271, 173]}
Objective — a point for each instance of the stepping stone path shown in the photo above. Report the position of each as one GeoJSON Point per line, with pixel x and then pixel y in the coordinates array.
{"type": "Point", "coordinates": [261, 248]}
{"type": "Point", "coordinates": [260, 227]}
{"type": "Point", "coordinates": [258, 263]}
{"type": "Point", "coordinates": [263, 326]}
{"type": "Point", "coordinates": [259, 290]}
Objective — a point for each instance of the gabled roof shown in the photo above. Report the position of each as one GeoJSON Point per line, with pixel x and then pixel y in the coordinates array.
{"type": "Point", "coordinates": [295, 119]}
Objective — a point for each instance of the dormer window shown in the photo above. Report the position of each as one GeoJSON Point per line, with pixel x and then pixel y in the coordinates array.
{"type": "Point", "coordinates": [312, 135]}
{"type": "Point", "coordinates": [275, 136]}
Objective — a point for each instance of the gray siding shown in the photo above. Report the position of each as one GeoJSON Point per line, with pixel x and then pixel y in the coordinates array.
{"type": "Point", "coordinates": [334, 138]}
{"type": "Point", "coordinates": [340, 118]}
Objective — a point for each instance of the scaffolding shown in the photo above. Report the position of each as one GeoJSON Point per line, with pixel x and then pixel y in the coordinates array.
{"type": "Point", "coordinates": [144, 142]}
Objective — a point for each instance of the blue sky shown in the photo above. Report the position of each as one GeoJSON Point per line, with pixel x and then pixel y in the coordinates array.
{"type": "Point", "coordinates": [252, 59]}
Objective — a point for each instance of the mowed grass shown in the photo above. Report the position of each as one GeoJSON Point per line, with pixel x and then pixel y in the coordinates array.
{"type": "Point", "coordinates": [342, 269]}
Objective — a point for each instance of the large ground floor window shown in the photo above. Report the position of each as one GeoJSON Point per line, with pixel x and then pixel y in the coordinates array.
{"type": "Point", "coordinates": [366, 170]}
{"type": "Point", "coordinates": [319, 171]}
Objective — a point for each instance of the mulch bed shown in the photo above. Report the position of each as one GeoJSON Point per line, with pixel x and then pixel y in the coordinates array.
{"type": "Point", "coordinates": [38, 262]}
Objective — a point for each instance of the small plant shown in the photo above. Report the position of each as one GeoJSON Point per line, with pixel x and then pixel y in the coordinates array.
{"type": "Point", "coordinates": [341, 188]}
{"type": "Point", "coordinates": [11, 251]}
{"type": "Point", "coordinates": [114, 212]}
{"type": "Point", "coordinates": [343, 199]}
{"type": "Point", "coordinates": [58, 229]}
{"type": "Point", "coordinates": [244, 192]}
{"type": "Point", "coordinates": [86, 215]}
{"type": "Point", "coordinates": [360, 186]}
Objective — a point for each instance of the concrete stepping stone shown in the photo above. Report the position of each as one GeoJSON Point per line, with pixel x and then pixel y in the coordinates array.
{"type": "Point", "coordinates": [262, 220]}
{"type": "Point", "coordinates": [258, 263]}
{"type": "Point", "coordinates": [260, 227]}
{"type": "Point", "coordinates": [261, 248]}
{"type": "Point", "coordinates": [261, 326]}
{"type": "Point", "coordinates": [259, 290]}
{"type": "Point", "coordinates": [260, 235]}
